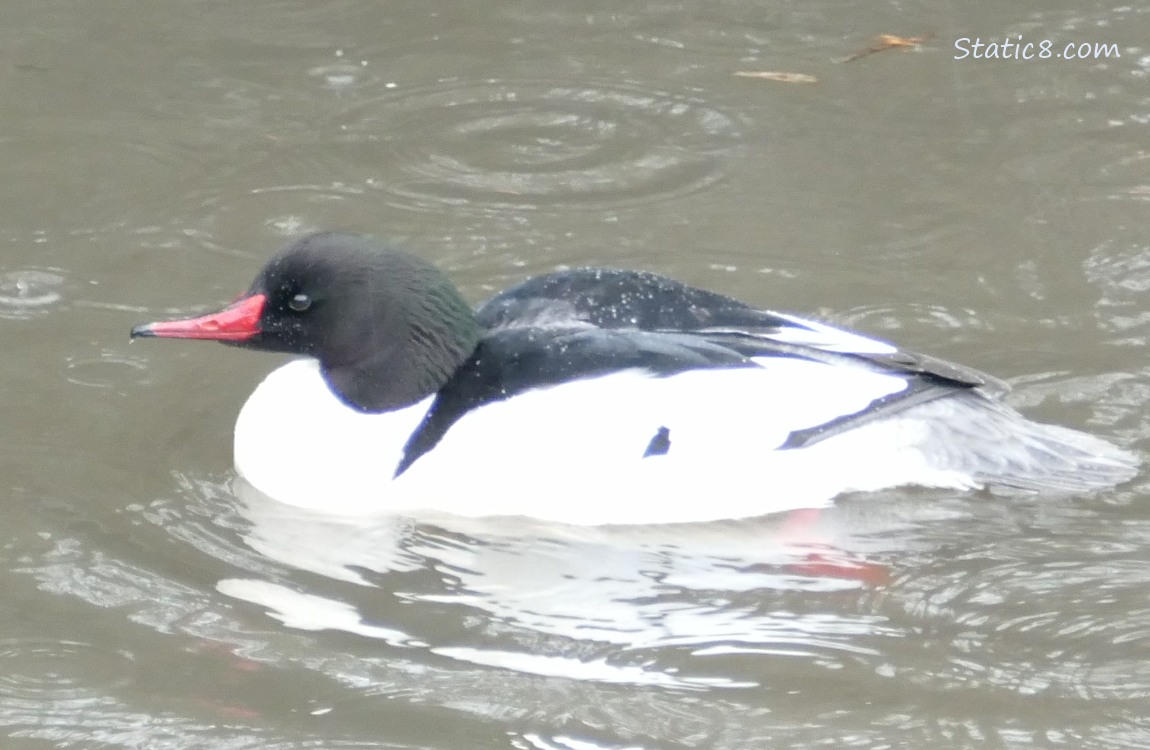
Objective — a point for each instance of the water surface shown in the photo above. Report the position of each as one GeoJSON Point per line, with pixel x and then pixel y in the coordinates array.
{"type": "Point", "coordinates": [990, 211]}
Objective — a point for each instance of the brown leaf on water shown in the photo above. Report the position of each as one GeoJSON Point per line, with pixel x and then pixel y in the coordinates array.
{"type": "Point", "coordinates": [889, 41]}
{"type": "Point", "coordinates": [776, 75]}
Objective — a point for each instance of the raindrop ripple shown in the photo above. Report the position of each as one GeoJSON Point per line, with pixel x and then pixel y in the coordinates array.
{"type": "Point", "coordinates": [533, 145]}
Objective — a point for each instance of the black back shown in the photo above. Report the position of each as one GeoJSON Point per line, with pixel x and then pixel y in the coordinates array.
{"type": "Point", "coordinates": [589, 322]}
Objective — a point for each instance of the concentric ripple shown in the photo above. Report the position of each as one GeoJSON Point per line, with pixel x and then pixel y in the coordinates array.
{"type": "Point", "coordinates": [540, 144]}
{"type": "Point", "coordinates": [46, 670]}
{"type": "Point", "coordinates": [288, 209]}
{"type": "Point", "coordinates": [108, 370]}
{"type": "Point", "coordinates": [893, 318]}
{"type": "Point", "coordinates": [28, 292]}
{"type": "Point", "coordinates": [343, 74]}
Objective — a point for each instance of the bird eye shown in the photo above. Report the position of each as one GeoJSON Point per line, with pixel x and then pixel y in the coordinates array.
{"type": "Point", "coordinates": [299, 302]}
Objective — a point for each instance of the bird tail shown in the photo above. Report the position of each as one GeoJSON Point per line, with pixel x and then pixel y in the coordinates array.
{"type": "Point", "coordinates": [1005, 451]}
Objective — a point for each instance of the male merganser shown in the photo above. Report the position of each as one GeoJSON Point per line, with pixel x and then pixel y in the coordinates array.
{"type": "Point", "coordinates": [598, 396]}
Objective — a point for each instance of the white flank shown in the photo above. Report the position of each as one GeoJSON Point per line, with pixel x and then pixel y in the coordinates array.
{"type": "Point", "coordinates": [573, 453]}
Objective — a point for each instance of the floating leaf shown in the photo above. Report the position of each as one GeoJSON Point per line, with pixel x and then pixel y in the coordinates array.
{"type": "Point", "coordinates": [889, 41]}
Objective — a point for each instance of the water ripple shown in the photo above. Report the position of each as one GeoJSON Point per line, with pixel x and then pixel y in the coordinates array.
{"type": "Point", "coordinates": [345, 75]}
{"type": "Point", "coordinates": [422, 611]}
{"type": "Point", "coordinates": [59, 671]}
{"type": "Point", "coordinates": [286, 210]}
{"type": "Point", "coordinates": [29, 292]}
{"type": "Point", "coordinates": [108, 370]}
{"type": "Point", "coordinates": [717, 30]}
{"type": "Point", "coordinates": [882, 317]}
{"type": "Point", "coordinates": [1024, 617]}
{"type": "Point", "coordinates": [535, 144]}
{"type": "Point", "coordinates": [670, 608]}
{"type": "Point", "coordinates": [1121, 272]}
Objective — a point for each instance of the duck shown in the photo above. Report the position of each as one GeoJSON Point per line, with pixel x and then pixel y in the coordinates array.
{"type": "Point", "coordinates": [597, 396]}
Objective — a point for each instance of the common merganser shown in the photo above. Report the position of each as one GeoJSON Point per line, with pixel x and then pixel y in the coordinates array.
{"type": "Point", "coordinates": [597, 396]}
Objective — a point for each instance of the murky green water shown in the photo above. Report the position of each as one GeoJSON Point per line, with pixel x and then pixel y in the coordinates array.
{"type": "Point", "coordinates": [987, 211]}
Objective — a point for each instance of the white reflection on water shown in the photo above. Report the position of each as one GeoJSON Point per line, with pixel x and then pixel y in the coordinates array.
{"type": "Point", "coordinates": [601, 604]}
{"type": "Point", "coordinates": [308, 611]}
